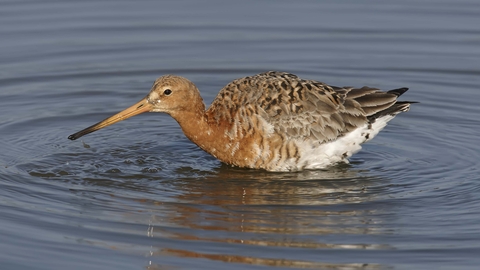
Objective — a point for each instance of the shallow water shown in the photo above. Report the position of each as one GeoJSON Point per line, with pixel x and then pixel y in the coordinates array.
{"type": "Point", "coordinates": [139, 195]}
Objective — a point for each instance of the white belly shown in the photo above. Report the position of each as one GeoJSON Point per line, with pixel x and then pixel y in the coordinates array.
{"type": "Point", "coordinates": [321, 156]}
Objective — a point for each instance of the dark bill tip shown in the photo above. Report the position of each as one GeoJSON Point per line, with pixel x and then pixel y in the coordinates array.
{"type": "Point", "coordinates": [138, 108]}
{"type": "Point", "coordinates": [83, 132]}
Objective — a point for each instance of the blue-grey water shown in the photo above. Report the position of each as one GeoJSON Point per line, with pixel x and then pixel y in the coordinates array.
{"type": "Point", "coordinates": [139, 195]}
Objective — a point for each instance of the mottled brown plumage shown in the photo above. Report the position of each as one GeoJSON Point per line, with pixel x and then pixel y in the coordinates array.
{"type": "Point", "coordinates": [274, 120]}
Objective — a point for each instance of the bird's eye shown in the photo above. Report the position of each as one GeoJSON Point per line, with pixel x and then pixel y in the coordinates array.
{"type": "Point", "coordinates": [167, 92]}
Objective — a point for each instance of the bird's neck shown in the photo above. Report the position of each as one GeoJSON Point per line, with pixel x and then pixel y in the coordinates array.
{"type": "Point", "coordinates": [203, 129]}
{"type": "Point", "coordinates": [194, 124]}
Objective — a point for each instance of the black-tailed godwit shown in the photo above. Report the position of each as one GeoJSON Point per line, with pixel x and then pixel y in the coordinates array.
{"type": "Point", "coordinates": [274, 120]}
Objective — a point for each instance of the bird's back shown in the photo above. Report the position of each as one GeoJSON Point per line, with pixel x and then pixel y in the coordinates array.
{"type": "Point", "coordinates": [294, 111]}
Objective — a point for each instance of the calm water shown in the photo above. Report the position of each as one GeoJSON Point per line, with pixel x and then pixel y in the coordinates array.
{"type": "Point", "coordinates": [139, 195]}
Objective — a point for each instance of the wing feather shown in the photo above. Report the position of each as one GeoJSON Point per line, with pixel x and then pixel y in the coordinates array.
{"type": "Point", "coordinates": [298, 108]}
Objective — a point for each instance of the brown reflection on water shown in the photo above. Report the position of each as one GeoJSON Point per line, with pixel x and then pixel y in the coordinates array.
{"type": "Point", "coordinates": [266, 261]}
{"type": "Point", "coordinates": [246, 210]}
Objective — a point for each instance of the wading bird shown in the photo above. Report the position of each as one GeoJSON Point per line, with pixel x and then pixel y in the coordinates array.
{"type": "Point", "coordinates": [274, 120]}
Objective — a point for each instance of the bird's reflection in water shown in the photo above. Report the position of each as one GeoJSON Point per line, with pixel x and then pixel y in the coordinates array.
{"type": "Point", "coordinates": [272, 219]}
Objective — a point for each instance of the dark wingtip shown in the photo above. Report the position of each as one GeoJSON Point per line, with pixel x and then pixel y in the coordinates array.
{"type": "Point", "coordinates": [398, 92]}
{"type": "Point", "coordinates": [72, 137]}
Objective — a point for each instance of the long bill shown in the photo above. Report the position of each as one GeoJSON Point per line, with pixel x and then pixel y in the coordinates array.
{"type": "Point", "coordinates": [138, 108]}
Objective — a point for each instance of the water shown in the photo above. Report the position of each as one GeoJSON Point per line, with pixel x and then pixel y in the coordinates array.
{"type": "Point", "coordinates": [139, 195]}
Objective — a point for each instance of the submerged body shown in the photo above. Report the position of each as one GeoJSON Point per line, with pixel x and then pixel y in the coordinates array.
{"type": "Point", "coordinates": [274, 120]}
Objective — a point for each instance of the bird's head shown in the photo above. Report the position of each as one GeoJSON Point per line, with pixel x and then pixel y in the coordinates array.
{"type": "Point", "coordinates": [170, 94]}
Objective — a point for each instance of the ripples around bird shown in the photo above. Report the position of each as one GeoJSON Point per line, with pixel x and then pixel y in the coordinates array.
{"type": "Point", "coordinates": [140, 195]}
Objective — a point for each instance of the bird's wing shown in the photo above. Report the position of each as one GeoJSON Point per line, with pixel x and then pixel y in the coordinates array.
{"type": "Point", "coordinates": [298, 108]}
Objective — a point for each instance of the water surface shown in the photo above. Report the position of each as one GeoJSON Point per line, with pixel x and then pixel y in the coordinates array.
{"type": "Point", "coordinates": [139, 195]}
